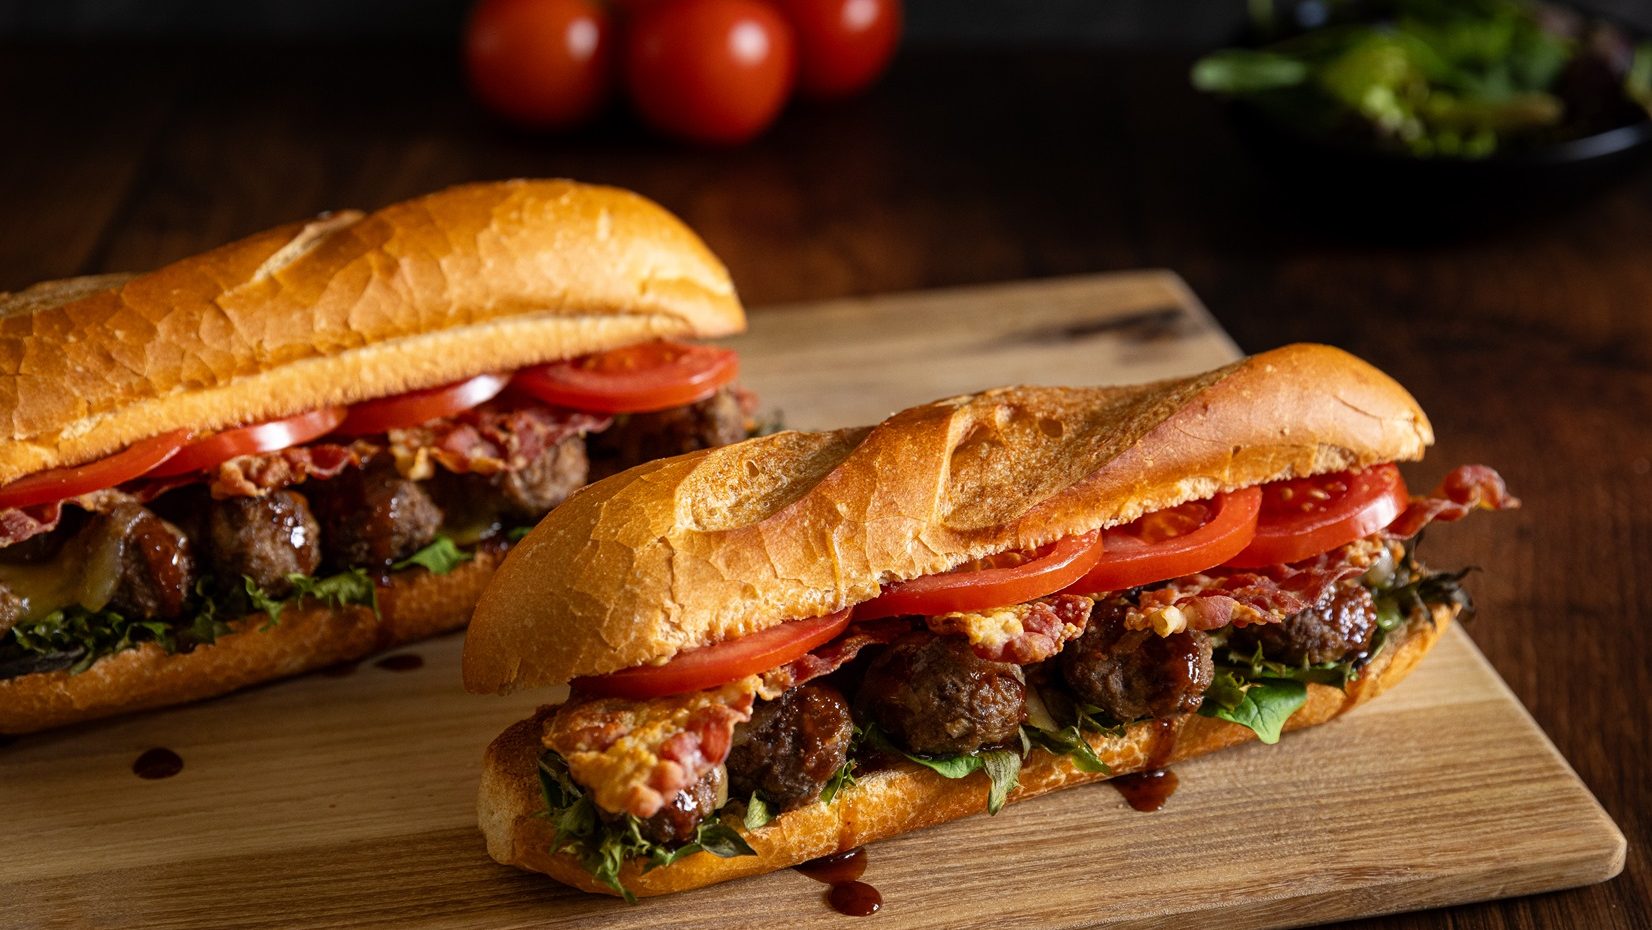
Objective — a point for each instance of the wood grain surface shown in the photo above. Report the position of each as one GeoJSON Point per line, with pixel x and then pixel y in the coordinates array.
{"type": "Point", "coordinates": [348, 801]}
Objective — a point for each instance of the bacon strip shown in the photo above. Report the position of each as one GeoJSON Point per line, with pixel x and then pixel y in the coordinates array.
{"type": "Point", "coordinates": [832, 656]}
{"type": "Point", "coordinates": [20, 523]}
{"type": "Point", "coordinates": [1217, 599]}
{"type": "Point", "coordinates": [1020, 633]}
{"type": "Point", "coordinates": [259, 474]}
{"type": "Point", "coordinates": [488, 439]}
{"type": "Point", "coordinates": [1466, 489]}
{"type": "Point", "coordinates": [636, 756]}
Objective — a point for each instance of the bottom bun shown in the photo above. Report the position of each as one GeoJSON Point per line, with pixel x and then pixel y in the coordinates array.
{"type": "Point", "coordinates": [414, 605]}
{"type": "Point", "coordinates": [895, 800]}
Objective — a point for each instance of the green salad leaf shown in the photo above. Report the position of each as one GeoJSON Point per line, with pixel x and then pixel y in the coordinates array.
{"type": "Point", "coordinates": [1002, 766]}
{"type": "Point", "coordinates": [603, 844]}
{"type": "Point", "coordinates": [443, 555]}
{"type": "Point", "coordinates": [1261, 704]}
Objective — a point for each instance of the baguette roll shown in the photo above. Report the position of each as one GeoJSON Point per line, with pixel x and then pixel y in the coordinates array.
{"type": "Point", "coordinates": [347, 307]}
{"type": "Point", "coordinates": [720, 544]}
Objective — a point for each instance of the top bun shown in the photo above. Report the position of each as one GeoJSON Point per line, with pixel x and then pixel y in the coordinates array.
{"type": "Point", "coordinates": [477, 278]}
{"type": "Point", "coordinates": [718, 544]}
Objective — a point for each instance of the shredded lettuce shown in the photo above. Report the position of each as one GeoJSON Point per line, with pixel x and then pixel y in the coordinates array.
{"type": "Point", "coordinates": [602, 844]}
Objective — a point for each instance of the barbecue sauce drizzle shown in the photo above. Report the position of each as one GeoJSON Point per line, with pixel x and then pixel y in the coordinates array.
{"type": "Point", "coordinates": [1148, 789]}
{"type": "Point", "coordinates": [842, 871]}
{"type": "Point", "coordinates": [158, 763]}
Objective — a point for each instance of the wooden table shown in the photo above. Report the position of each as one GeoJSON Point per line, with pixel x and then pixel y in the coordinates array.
{"type": "Point", "coordinates": [1529, 340]}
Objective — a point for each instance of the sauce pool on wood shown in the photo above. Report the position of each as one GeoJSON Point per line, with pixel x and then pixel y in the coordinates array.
{"type": "Point", "coordinates": [405, 662]}
{"type": "Point", "coordinates": [1146, 791]}
{"type": "Point", "coordinates": [848, 895]}
{"type": "Point", "coordinates": [158, 763]}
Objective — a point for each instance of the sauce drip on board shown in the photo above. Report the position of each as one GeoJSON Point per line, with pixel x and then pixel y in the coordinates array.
{"type": "Point", "coordinates": [405, 662]}
{"type": "Point", "coordinates": [338, 670]}
{"type": "Point", "coordinates": [848, 895]}
{"type": "Point", "coordinates": [158, 763]}
{"type": "Point", "coordinates": [1146, 791]}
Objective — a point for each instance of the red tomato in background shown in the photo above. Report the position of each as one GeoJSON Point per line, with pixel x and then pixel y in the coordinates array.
{"type": "Point", "coordinates": [715, 71]}
{"type": "Point", "coordinates": [546, 64]}
{"type": "Point", "coordinates": [842, 45]}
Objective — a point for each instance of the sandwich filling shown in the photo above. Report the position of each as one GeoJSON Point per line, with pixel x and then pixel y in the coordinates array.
{"type": "Point", "coordinates": [175, 560]}
{"type": "Point", "coordinates": [979, 687]}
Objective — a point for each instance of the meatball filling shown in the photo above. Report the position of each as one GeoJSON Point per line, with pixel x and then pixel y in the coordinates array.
{"type": "Point", "coordinates": [932, 698]}
{"type": "Point", "coordinates": [173, 564]}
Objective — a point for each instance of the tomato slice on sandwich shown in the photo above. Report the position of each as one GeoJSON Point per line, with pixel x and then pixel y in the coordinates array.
{"type": "Point", "coordinates": [1176, 541]}
{"type": "Point", "coordinates": [1303, 517]}
{"type": "Point", "coordinates": [62, 483]}
{"type": "Point", "coordinates": [247, 440]}
{"type": "Point", "coordinates": [720, 663]}
{"type": "Point", "coordinates": [1049, 570]}
{"type": "Point", "coordinates": [636, 379]}
{"type": "Point", "coordinates": [414, 408]}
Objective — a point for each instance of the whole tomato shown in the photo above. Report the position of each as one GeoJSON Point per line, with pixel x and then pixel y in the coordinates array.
{"type": "Point", "coordinates": [713, 71]}
{"type": "Point", "coordinates": [842, 45]}
{"type": "Point", "coordinates": [546, 64]}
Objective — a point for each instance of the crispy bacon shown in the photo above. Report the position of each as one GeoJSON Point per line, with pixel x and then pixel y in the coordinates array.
{"type": "Point", "coordinates": [832, 656]}
{"type": "Point", "coordinates": [1217, 598]}
{"type": "Point", "coordinates": [488, 439]}
{"type": "Point", "coordinates": [1466, 489]}
{"type": "Point", "coordinates": [1020, 633]}
{"type": "Point", "coordinates": [259, 474]}
{"type": "Point", "coordinates": [635, 756]}
{"type": "Point", "coordinates": [20, 523]}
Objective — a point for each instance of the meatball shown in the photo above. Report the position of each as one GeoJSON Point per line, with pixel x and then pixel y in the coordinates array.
{"type": "Point", "coordinates": [531, 491]}
{"type": "Point", "coordinates": [791, 747]}
{"type": "Point", "coordinates": [373, 517]}
{"type": "Point", "coordinates": [676, 822]}
{"type": "Point", "coordinates": [265, 539]}
{"type": "Point", "coordinates": [1340, 626]}
{"type": "Point", "coordinates": [935, 696]}
{"type": "Point", "coordinates": [1136, 674]}
{"type": "Point", "coordinates": [157, 566]}
{"type": "Point", "coordinates": [642, 437]}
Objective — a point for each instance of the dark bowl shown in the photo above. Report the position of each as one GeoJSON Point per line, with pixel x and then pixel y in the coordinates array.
{"type": "Point", "coordinates": [1361, 182]}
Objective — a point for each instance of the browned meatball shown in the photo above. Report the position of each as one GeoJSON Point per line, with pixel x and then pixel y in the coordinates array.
{"type": "Point", "coordinates": [157, 567]}
{"type": "Point", "coordinates": [680, 817]}
{"type": "Point", "coordinates": [1136, 674]}
{"type": "Point", "coordinates": [265, 539]}
{"type": "Point", "coordinates": [642, 437]}
{"type": "Point", "coordinates": [934, 696]}
{"type": "Point", "coordinates": [1339, 627]}
{"type": "Point", "coordinates": [371, 518]}
{"type": "Point", "coordinates": [791, 747]}
{"type": "Point", "coordinates": [531, 491]}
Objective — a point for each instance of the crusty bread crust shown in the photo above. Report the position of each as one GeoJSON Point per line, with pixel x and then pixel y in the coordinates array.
{"type": "Point", "coordinates": [718, 544]}
{"type": "Point", "coordinates": [415, 605]}
{"type": "Point", "coordinates": [483, 277]}
{"type": "Point", "coordinates": [888, 802]}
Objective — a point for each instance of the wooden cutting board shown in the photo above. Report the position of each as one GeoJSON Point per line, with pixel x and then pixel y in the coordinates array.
{"type": "Point", "coordinates": [349, 801]}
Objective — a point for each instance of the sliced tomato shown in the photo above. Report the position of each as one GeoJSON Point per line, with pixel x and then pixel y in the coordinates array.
{"type": "Point", "coordinates": [718, 664]}
{"type": "Point", "coordinates": [246, 440]}
{"type": "Point", "coordinates": [1174, 542]}
{"type": "Point", "coordinates": [1303, 517]}
{"type": "Point", "coordinates": [62, 483]}
{"type": "Point", "coordinates": [636, 379]}
{"type": "Point", "coordinates": [417, 407]}
{"type": "Point", "coordinates": [997, 585]}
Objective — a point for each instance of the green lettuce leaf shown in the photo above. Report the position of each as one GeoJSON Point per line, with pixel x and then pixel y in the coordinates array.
{"type": "Point", "coordinates": [757, 812]}
{"type": "Point", "coordinates": [1261, 704]}
{"type": "Point", "coordinates": [1068, 742]}
{"type": "Point", "coordinates": [1002, 766]}
{"type": "Point", "coordinates": [602, 845]}
{"type": "Point", "coordinates": [440, 557]}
